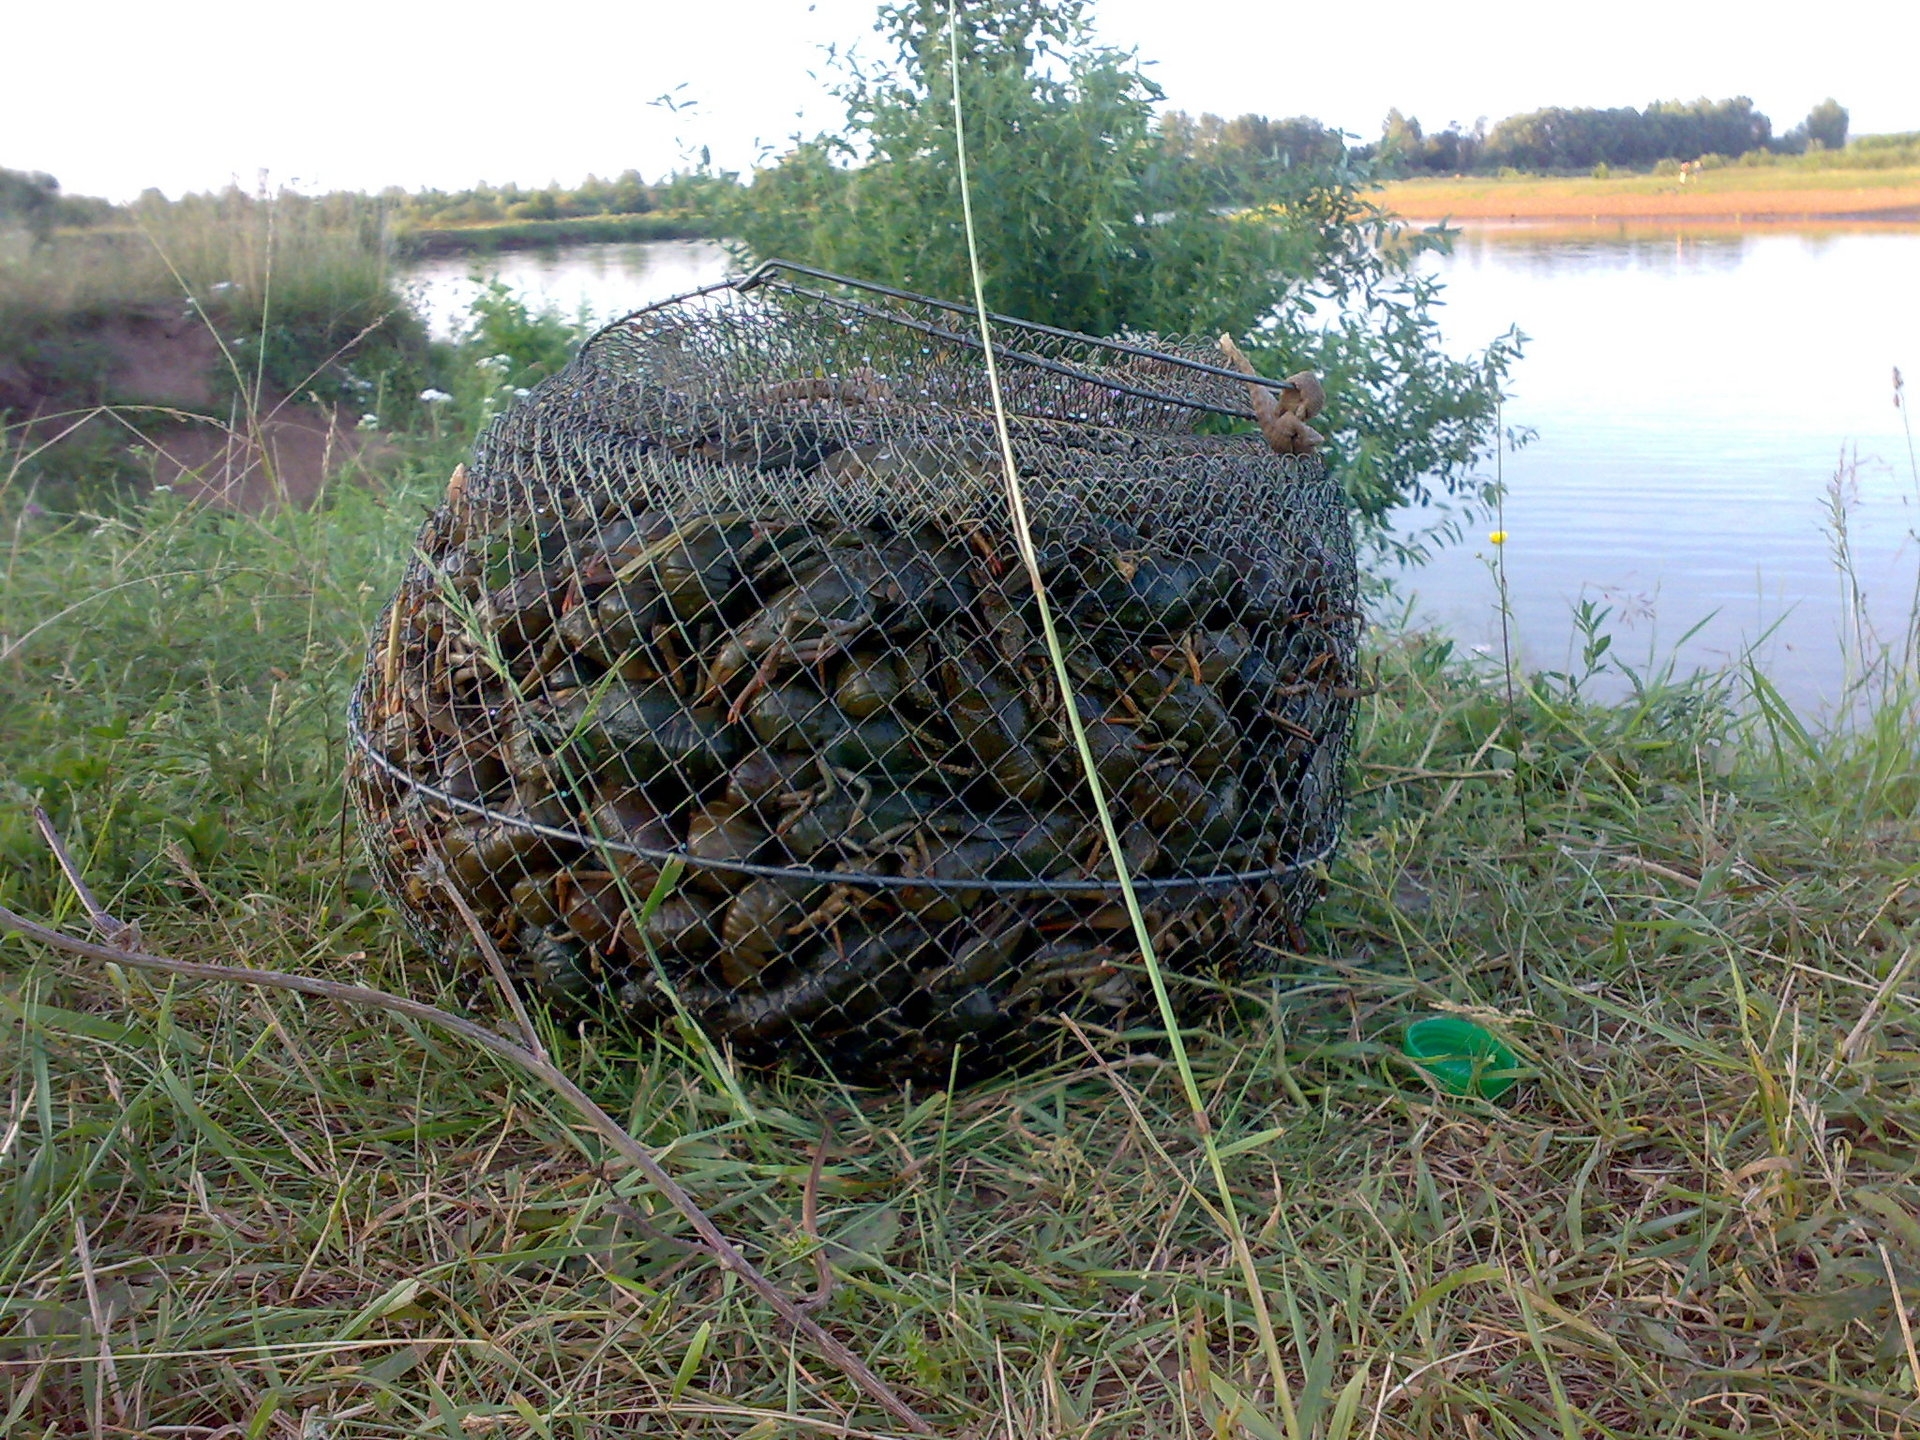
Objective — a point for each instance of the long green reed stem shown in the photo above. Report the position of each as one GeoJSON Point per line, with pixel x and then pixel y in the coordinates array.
{"type": "Point", "coordinates": [1913, 472]}
{"type": "Point", "coordinates": [1906, 423]}
{"type": "Point", "coordinates": [1023, 538]}
{"type": "Point", "coordinates": [1506, 607]}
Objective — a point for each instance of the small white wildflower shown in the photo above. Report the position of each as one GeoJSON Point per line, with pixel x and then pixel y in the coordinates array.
{"type": "Point", "coordinates": [368, 422]}
{"type": "Point", "coordinates": [521, 392]}
{"type": "Point", "coordinates": [435, 397]}
{"type": "Point", "coordinates": [221, 286]}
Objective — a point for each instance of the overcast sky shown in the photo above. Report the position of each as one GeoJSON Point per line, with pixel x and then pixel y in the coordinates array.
{"type": "Point", "coordinates": [190, 95]}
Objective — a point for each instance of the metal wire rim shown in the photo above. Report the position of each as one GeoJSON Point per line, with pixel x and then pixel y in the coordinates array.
{"type": "Point", "coordinates": [763, 277]}
{"type": "Point", "coordinates": [1219, 880]}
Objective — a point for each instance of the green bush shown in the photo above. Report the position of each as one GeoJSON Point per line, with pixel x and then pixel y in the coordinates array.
{"type": "Point", "coordinates": [325, 340]}
{"type": "Point", "coordinates": [504, 349]}
{"type": "Point", "coordinates": [1086, 218]}
{"type": "Point", "coordinates": [527, 345]}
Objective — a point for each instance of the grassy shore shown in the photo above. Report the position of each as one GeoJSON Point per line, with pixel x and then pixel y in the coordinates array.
{"type": "Point", "coordinates": [226, 1211]}
{"type": "Point", "coordinates": [1734, 193]}
{"type": "Point", "coordinates": [533, 234]}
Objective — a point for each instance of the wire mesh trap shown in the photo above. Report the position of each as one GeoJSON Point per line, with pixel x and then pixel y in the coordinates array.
{"type": "Point", "coordinates": [739, 589]}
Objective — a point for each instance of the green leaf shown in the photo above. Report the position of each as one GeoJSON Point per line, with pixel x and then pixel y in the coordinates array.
{"type": "Point", "coordinates": [864, 1244]}
{"type": "Point", "coordinates": [1256, 1141]}
{"type": "Point", "coordinates": [396, 1298]}
{"type": "Point", "coordinates": [1340, 1423]}
{"type": "Point", "coordinates": [1440, 1289]}
{"type": "Point", "coordinates": [696, 1352]}
{"type": "Point", "coordinates": [1241, 1411]}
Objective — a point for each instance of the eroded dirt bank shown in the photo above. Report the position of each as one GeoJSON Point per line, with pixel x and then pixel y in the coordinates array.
{"type": "Point", "coordinates": [175, 406]}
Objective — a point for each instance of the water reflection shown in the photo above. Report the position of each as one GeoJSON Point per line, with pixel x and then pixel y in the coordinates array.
{"type": "Point", "coordinates": [599, 281]}
{"type": "Point", "coordinates": [1554, 251]}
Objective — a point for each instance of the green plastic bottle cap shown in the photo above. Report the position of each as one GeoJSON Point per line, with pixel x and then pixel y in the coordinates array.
{"type": "Point", "coordinates": [1463, 1058]}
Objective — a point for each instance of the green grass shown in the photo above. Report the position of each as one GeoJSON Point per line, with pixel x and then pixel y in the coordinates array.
{"type": "Point", "coordinates": [1683, 1223]}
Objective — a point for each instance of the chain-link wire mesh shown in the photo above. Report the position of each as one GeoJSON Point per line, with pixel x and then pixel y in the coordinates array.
{"type": "Point", "coordinates": [739, 588]}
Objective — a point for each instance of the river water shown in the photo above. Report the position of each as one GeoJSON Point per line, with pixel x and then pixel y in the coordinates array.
{"type": "Point", "coordinates": [601, 282]}
{"type": "Point", "coordinates": [1701, 398]}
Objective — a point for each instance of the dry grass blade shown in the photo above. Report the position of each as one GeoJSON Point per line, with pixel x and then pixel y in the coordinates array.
{"type": "Point", "coordinates": [1900, 1314]}
{"type": "Point", "coordinates": [497, 967]}
{"type": "Point", "coordinates": [96, 1312]}
{"type": "Point", "coordinates": [1856, 1037]}
{"type": "Point", "coordinates": [124, 951]}
{"type": "Point", "coordinates": [810, 1225]}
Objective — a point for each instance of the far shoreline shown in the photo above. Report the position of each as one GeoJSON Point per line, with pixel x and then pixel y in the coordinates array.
{"type": "Point", "coordinates": [489, 237]}
{"type": "Point", "coordinates": [1735, 195]}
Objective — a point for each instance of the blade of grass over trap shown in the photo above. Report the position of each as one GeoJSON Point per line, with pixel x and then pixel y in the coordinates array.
{"type": "Point", "coordinates": [1023, 537]}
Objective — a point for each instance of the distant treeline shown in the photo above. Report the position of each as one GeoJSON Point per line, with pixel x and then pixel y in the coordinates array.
{"type": "Point", "coordinates": [1238, 152]}
{"type": "Point", "coordinates": [537, 234]}
{"type": "Point", "coordinates": [625, 194]}
{"type": "Point", "coordinates": [1560, 140]}
{"type": "Point", "coordinates": [32, 201]}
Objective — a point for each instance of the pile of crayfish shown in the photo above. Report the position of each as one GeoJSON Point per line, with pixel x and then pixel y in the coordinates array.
{"type": "Point", "coordinates": [814, 783]}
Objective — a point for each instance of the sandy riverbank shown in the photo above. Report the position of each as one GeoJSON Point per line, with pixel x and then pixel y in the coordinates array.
{"type": "Point", "coordinates": [1735, 194]}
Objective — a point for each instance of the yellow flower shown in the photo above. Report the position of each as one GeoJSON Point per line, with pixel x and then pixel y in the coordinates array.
{"type": "Point", "coordinates": [1498, 537]}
